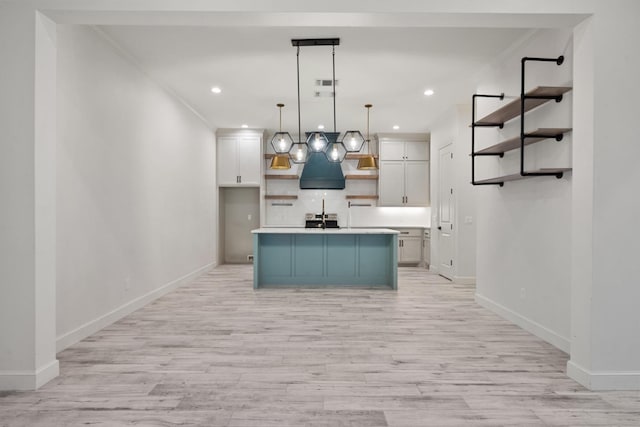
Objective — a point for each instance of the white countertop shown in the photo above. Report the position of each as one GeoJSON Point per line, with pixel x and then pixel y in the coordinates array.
{"type": "Point", "coordinates": [302, 230]}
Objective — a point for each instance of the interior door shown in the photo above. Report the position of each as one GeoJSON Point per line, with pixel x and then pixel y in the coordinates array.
{"type": "Point", "coordinates": [241, 215]}
{"type": "Point", "coordinates": [446, 217]}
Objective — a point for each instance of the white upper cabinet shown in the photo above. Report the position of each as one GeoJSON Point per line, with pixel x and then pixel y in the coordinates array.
{"type": "Point", "coordinates": [416, 150]}
{"type": "Point", "coordinates": [416, 183]}
{"type": "Point", "coordinates": [391, 183]}
{"type": "Point", "coordinates": [392, 150]}
{"type": "Point", "coordinates": [239, 159]}
{"type": "Point", "coordinates": [404, 170]}
{"type": "Point", "coordinates": [404, 150]}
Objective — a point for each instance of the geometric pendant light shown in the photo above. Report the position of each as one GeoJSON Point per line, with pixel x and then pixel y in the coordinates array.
{"type": "Point", "coordinates": [281, 143]}
{"type": "Point", "coordinates": [319, 142]}
{"type": "Point", "coordinates": [367, 162]}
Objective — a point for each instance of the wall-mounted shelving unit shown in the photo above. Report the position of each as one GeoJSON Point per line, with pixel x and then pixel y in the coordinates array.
{"type": "Point", "coordinates": [357, 156]}
{"type": "Point", "coordinates": [370, 177]}
{"type": "Point", "coordinates": [281, 197]}
{"type": "Point", "coordinates": [281, 176]}
{"type": "Point", "coordinates": [517, 108]}
{"type": "Point", "coordinates": [361, 197]}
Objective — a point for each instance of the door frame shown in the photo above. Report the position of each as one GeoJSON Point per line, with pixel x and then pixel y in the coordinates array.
{"type": "Point", "coordinates": [448, 272]}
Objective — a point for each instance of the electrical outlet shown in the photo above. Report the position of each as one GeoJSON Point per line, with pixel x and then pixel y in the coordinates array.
{"type": "Point", "coordinates": [249, 217]}
{"type": "Point", "coordinates": [250, 258]}
{"type": "Point", "coordinates": [468, 220]}
{"type": "Point", "coordinates": [523, 293]}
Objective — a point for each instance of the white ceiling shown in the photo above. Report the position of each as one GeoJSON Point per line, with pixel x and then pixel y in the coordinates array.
{"type": "Point", "coordinates": [256, 68]}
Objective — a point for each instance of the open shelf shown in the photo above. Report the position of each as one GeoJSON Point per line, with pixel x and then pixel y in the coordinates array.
{"type": "Point", "coordinates": [357, 156]}
{"type": "Point", "coordinates": [361, 197]}
{"type": "Point", "coordinates": [530, 138]}
{"type": "Point", "coordinates": [517, 176]}
{"type": "Point", "coordinates": [281, 176]}
{"type": "Point", "coordinates": [512, 109]}
{"type": "Point", "coordinates": [527, 101]}
{"type": "Point", "coordinates": [349, 156]}
{"type": "Point", "coordinates": [281, 197]}
{"type": "Point", "coordinates": [359, 176]}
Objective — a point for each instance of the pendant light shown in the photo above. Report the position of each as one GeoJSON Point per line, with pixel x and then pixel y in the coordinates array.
{"type": "Point", "coordinates": [368, 161]}
{"type": "Point", "coordinates": [281, 143]}
{"type": "Point", "coordinates": [321, 142]}
{"type": "Point", "coordinates": [299, 150]}
{"type": "Point", "coordinates": [334, 150]}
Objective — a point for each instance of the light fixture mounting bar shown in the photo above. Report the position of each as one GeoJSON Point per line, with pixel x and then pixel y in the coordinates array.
{"type": "Point", "coordinates": [315, 42]}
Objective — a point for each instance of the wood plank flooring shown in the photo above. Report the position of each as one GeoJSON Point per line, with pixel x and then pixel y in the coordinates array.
{"type": "Point", "coordinates": [218, 353]}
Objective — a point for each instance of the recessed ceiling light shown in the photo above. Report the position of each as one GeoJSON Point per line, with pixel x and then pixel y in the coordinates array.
{"type": "Point", "coordinates": [320, 127]}
{"type": "Point", "coordinates": [396, 127]}
{"type": "Point", "coordinates": [216, 89]}
{"type": "Point", "coordinates": [245, 126]}
{"type": "Point", "coordinates": [429, 92]}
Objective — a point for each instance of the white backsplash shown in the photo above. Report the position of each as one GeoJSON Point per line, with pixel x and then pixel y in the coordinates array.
{"type": "Point", "coordinates": [280, 214]}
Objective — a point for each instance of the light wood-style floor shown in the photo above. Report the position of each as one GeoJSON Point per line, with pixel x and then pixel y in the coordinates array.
{"type": "Point", "coordinates": [218, 353]}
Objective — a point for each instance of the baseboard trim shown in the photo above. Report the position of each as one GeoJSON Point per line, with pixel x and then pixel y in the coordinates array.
{"type": "Point", "coordinates": [464, 280]}
{"type": "Point", "coordinates": [529, 325]}
{"type": "Point", "coordinates": [93, 326]}
{"type": "Point", "coordinates": [28, 380]}
{"type": "Point", "coordinates": [603, 381]}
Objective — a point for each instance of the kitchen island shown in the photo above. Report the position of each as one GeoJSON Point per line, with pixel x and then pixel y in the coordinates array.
{"type": "Point", "coordinates": [303, 257]}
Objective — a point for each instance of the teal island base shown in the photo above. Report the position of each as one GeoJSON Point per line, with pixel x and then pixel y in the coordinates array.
{"type": "Point", "coordinates": [297, 257]}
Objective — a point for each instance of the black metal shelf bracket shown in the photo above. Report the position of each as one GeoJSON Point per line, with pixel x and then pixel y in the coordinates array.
{"type": "Point", "coordinates": [557, 136]}
{"type": "Point", "coordinates": [523, 97]}
{"type": "Point", "coordinates": [474, 125]}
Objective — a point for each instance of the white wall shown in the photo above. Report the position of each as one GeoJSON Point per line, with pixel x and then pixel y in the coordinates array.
{"type": "Point", "coordinates": [605, 347]}
{"type": "Point", "coordinates": [27, 199]}
{"type": "Point", "coordinates": [524, 228]}
{"type": "Point", "coordinates": [136, 187]}
{"type": "Point", "coordinates": [453, 128]}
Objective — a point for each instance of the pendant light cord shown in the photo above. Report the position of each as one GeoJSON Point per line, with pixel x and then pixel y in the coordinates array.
{"type": "Point", "coordinates": [333, 82]}
{"type": "Point", "coordinates": [298, 77]}
{"type": "Point", "coordinates": [368, 107]}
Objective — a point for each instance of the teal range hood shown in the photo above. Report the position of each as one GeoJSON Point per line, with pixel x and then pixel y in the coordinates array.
{"type": "Point", "coordinates": [321, 174]}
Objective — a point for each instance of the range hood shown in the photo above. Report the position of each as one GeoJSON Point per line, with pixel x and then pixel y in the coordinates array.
{"type": "Point", "coordinates": [321, 174]}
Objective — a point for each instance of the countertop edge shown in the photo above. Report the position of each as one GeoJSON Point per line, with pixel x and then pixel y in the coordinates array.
{"type": "Point", "coordinates": [301, 230]}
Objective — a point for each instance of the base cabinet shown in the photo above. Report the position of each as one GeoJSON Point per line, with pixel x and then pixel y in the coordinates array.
{"type": "Point", "coordinates": [410, 245]}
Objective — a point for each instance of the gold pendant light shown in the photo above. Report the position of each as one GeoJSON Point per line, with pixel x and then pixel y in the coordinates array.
{"type": "Point", "coordinates": [281, 143]}
{"type": "Point", "coordinates": [368, 161]}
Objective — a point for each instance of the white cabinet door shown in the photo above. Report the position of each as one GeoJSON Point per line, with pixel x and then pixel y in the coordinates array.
{"type": "Point", "coordinates": [227, 160]}
{"type": "Point", "coordinates": [417, 183]}
{"type": "Point", "coordinates": [392, 150]}
{"type": "Point", "coordinates": [411, 251]}
{"type": "Point", "coordinates": [249, 160]}
{"type": "Point", "coordinates": [416, 150]}
{"type": "Point", "coordinates": [391, 183]}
